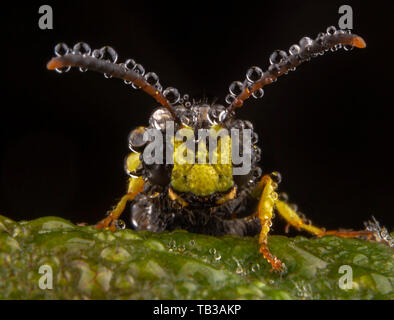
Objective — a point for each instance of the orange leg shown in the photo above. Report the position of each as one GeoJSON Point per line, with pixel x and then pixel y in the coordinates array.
{"type": "Point", "coordinates": [349, 234]}
{"type": "Point", "coordinates": [294, 219]}
{"type": "Point", "coordinates": [265, 212]}
{"type": "Point", "coordinates": [109, 223]}
{"type": "Point", "coordinates": [268, 201]}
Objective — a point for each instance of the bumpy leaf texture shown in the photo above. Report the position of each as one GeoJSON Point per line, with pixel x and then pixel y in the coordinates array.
{"type": "Point", "coordinates": [90, 264]}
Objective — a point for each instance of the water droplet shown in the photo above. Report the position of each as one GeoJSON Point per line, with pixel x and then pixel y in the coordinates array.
{"type": "Point", "coordinates": [61, 49]}
{"type": "Point", "coordinates": [223, 115]}
{"type": "Point", "coordinates": [129, 64]}
{"type": "Point", "coordinates": [141, 212]}
{"type": "Point", "coordinates": [274, 69]}
{"type": "Point", "coordinates": [347, 47]}
{"type": "Point", "coordinates": [159, 88]}
{"type": "Point", "coordinates": [277, 56]}
{"type": "Point", "coordinates": [331, 30]}
{"type": "Point", "coordinates": [336, 47]}
{"type": "Point", "coordinates": [283, 196]}
{"type": "Point", "coordinates": [186, 97]}
{"type": "Point", "coordinates": [82, 48]}
{"type": "Point", "coordinates": [238, 124]}
{"type": "Point", "coordinates": [172, 95]}
{"type": "Point", "coordinates": [152, 78]}
{"type": "Point", "coordinates": [184, 114]}
{"type": "Point", "coordinates": [62, 70]}
{"type": "Point", "coordinates": [274, 196]}
{"type": "Point", "coordinates": [248, 125]}
{"type": "Point", "coordinates": [294, 49]}
{"type": "Point", "coordinates": [256, 156]}
{"type": "Point", "coordinates": [258, 94]}
{"type": "Point", "coordinates": [159, 117]}
{"type": "Point", "coordinates": [192, 242]}
{"type": "Point", "coordinates": [257, 172]}
{"type": "Point", "coordinates": [255, 267]}
{"type": "Point", "coordinates": [120, 224]}
{"type": "Point", "coordinates": [276, 177]}
{"type": "Point", "coordinates": [320, 37]}
{"type": "Point", "coordinates": [212, 251]}
{"type": "Point", "coordinates": [230, 99]}
{"type": "Point", "coordinates": [254, 74]}
{"type": "Point", "coordinates": [239, 270]}
{"type": "Point", "coordinates": [293, 206]}
{"type": "Point", "coordinates": [136, 139]}
{"type": "Point", "coordinates": [139, 69]}
{"type": "Point", "coordinates": [96, 53]}
{"type": "Point", "coordinates": [306, 42]}
{"type": "Point", "coordinates": [254, 140]}
{"type": "Point", "coordinates": [109, 54]}
{"type": "Point", "coordinates": [236, 88]}
{"type": "Point", "coordinates": [215, 113]}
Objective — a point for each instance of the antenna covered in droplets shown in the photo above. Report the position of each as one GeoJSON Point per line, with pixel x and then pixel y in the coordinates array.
{"type": "Point", "coordinates": [104, 60]}
{"type": "Point", "coordinates": [282, 63]}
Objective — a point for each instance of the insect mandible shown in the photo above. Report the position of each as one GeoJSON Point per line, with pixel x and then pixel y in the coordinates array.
{"type": "Point", "coordinates": [204, 197]}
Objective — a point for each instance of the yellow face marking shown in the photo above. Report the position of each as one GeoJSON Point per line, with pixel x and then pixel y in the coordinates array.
{"type": "Point", "coordinates": [133, 161]}
{"type": "Point", "coordinates": [203, 178]}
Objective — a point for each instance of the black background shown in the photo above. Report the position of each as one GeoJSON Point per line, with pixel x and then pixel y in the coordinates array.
{"type": "Point", "coordinates": [326, 127]}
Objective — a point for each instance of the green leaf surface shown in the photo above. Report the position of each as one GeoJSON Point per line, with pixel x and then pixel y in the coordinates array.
{"type": "Point", "coordinates": [90, 264]}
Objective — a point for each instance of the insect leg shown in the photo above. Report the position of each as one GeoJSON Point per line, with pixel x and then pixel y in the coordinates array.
{"type": "Point", "coordinates": [265, 211]}
{"type": "Point", "coordinates": [135, 186]}
{"type": "Point", "coordinates": [291, 216]}
{"type": "Point", "coordinates": [293, 219]}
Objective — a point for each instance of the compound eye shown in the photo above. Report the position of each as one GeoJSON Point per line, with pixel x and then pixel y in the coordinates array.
{"type": "Point", "coordinates": [136, 139]}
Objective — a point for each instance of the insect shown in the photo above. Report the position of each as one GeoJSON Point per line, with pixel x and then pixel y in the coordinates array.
{"type": "Point", "coordinates": [204, 197]}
